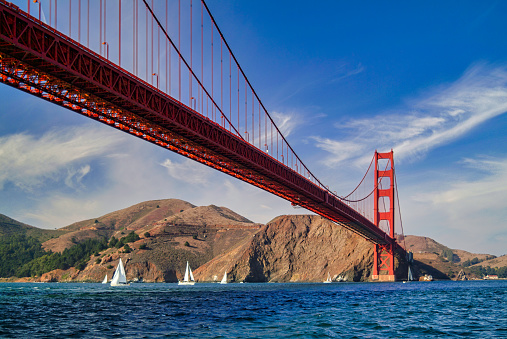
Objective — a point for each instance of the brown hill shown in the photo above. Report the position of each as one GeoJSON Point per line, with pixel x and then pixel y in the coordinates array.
{"type": "Point", "coordinates": [172, 231]}
{"type": "Point", "coordinates": [495, 262]}
{"type": "Point", "coordinates": [127, 219]}
{"type": "Point", "coordinates": [432, 257]}
{"type": "Point", "coordinates": [422, 246]}
{"type": "Point", "coordinates": [294, 248]}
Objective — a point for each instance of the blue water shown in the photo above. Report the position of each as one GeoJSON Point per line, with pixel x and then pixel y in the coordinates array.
{"type": "Point", "coordinates": [362, 310]}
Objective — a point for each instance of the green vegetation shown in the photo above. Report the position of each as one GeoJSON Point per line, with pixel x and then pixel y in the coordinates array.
{"type": "Point", "coordinates": [147, 234]}
{"type": "Point", "coordinates": [471, 262]}
{"type": "Point", "coordinates": [480, 271]}
{"type": "Point", "coordinates": [23, 256]}
{"type": "Point", "coordinates": [15, 251]}
{"type": "Point", "coordinates": [142, 247]}
{"type": "Point", "coordinates": [75, 256]}
{"type": "Point", "coordinates": [477, 260]}
{"type": "Point", "coordinates": [186, 244]}
{"type": "Point", "coordinates": [447, 254]}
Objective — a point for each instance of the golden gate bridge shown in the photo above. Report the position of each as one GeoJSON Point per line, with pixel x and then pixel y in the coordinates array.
{"type": "Point", "coordinates": [163, 71]}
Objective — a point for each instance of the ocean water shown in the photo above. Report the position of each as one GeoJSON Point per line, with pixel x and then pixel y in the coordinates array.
{"type": "Point", "coordinates": [293, 310]}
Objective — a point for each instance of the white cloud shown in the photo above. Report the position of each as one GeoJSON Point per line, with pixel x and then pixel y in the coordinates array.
{"type": "Point", "coordinates": [479, 193]}
{"type": "Point", "coordinates": [28, 161]}
{"type": "Point", "coordinates": [187, 171]}
{"type": "Point", "coordinates": [61, 210]}
{"type": "Point", "coordinates": [74, 177]}
{"type": "Point", "coordinates": [286, 122]}
{"type": "Point", "coordinates": [340, 150]}
{"type": "Point", "coordinates": [436, 119]}
{"type": "Point", "coordinates": [463, 213]}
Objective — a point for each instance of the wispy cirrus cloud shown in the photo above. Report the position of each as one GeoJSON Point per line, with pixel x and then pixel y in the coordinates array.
{"type": "Point", "coordinates": [435, 119]}
{"type": "Point", "coordinates": [287, 122]}
{"type": "Point", "coordinates": [482, 193]}
{"type": "Point", "coordinates": [28, 161]}
{"type": "Point", "coordinates": [187, 171]}
{"type": "Point", "coordinates": [457, 211]}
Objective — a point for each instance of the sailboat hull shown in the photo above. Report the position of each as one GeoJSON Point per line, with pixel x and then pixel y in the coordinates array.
{"type": "Point", "coordinates": [186, 282]}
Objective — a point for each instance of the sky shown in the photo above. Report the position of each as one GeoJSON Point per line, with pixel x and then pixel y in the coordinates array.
{"type": "Point", "coordinates": [426, 79]}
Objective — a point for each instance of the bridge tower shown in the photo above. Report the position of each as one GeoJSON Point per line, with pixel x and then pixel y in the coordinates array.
{"type": "Point", "coordinates": [383, 261]}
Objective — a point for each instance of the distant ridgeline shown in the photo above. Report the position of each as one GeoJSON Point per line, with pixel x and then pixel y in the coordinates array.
{"type": "Point", "coordinates": [23, 255]}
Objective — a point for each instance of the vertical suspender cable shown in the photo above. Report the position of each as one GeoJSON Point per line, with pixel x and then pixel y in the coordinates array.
{"type": "Point", "coordinates": [105, 21]}
{"type": "Point", "coordinates": [134, 28]}
{"type": "Point", "coordinates": [167, 82]}
{"type": "Point", "coordinates": [191, 58]}
{"type": "Point", "coordinates": [146, 48]}
{"type": "Point", "coordinates": [202, 59]}
{"type": "Point", "coordinates": [158, 55]}
{"type": "Point", "coordinates": [230, 93]}
{"type": "Point", "coordinates": [179, 49]}
{"type": "Point", "coordinates": [100, 29]}
{"type": "Point", "coordinates": [253, 120]}
{"type": "Point", "coordinates": [79, 22]}
{"type": "Point", "coordinates": [88, 24]}
{"type": "Point", "coordinates": [151, 18]}
{"type": "Point", "coordinates": [119, 33]}
{"type": "Point", "coordinates": [238, 100]}
{"type": "Point", "coordinates": [246, 115]}
{"type": "Point", "coordinates": [212, 77]}
{"type": "Point", "coordinates": [221, 84]}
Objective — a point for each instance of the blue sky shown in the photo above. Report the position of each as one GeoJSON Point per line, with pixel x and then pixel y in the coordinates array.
{"type": "Point", "coordinates": [427, 79]}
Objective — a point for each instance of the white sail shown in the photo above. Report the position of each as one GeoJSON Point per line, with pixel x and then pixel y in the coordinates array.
{"type": "Point", "coordinates": [328, 280]}
{"type": "Point", "coordinates": [105, 280]}
{"type": "Point", "coordinates": [119, 277]}
{"type": "Point", "coordinates": [188, 279]}
{"type": "Point", "coordinates": [186, 273]}
{"type": "Point", "coordinates": [224, 279]}
{"type": "Point", "coordinates": [190, 271]}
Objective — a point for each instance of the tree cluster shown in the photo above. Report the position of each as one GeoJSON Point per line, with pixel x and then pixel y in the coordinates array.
{"type": "Point", "coordinates": [119, 243]}
{"type": "Point", "coordinates": [23, 256]}
{"type": "Point", "coordinates": [482, 271]}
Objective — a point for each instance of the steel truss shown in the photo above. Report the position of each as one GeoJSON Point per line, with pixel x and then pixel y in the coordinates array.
{"type": "Point", "coordinates": [41, 61]}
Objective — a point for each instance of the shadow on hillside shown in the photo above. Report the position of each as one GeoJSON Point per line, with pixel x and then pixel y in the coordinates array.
{"type": "Point", "coordinates": [422, 269]}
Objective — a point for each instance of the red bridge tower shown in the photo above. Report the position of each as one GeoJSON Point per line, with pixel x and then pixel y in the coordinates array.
{"type": "Point", "coordinates": [383, 264]}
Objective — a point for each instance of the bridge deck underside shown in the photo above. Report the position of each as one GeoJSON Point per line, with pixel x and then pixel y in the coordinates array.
{"type": "Point", "coordinates": [37, 59]}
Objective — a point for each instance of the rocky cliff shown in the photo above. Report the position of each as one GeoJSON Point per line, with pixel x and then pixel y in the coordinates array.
{"type": "Point", "coordinates": [294, 248]}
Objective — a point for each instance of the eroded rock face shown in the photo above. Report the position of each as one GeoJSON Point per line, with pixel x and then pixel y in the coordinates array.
{"type": "Point", "coordinates": [295, 248]}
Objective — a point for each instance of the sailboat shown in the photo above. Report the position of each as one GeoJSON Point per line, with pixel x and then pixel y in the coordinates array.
{"type": "Point", "coordinates": [224, 279]}
{"type": "Point", "coordinates": [328, 280]}
{"type": "Point", "coordinates": [105, 280]}
{"type": "Point", "coordinates": [189, 277]}
{"type": "Point", "coordinates": [119, 277]}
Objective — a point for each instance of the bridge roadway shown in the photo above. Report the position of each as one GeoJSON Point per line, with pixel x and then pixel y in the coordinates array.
{"type": "Point", "coordinates": [41, 61]}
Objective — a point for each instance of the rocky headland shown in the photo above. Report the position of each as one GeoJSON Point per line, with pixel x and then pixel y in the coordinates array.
{"type": "Point", "coordinates": [214, 240]}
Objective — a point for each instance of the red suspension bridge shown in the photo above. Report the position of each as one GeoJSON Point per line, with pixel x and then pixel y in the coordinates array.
{"type": "Point", "coordinates": [163, 71]}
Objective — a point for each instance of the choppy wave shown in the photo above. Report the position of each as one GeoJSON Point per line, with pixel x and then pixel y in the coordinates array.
{"type": "Point", "coordinates": [362, 310]}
